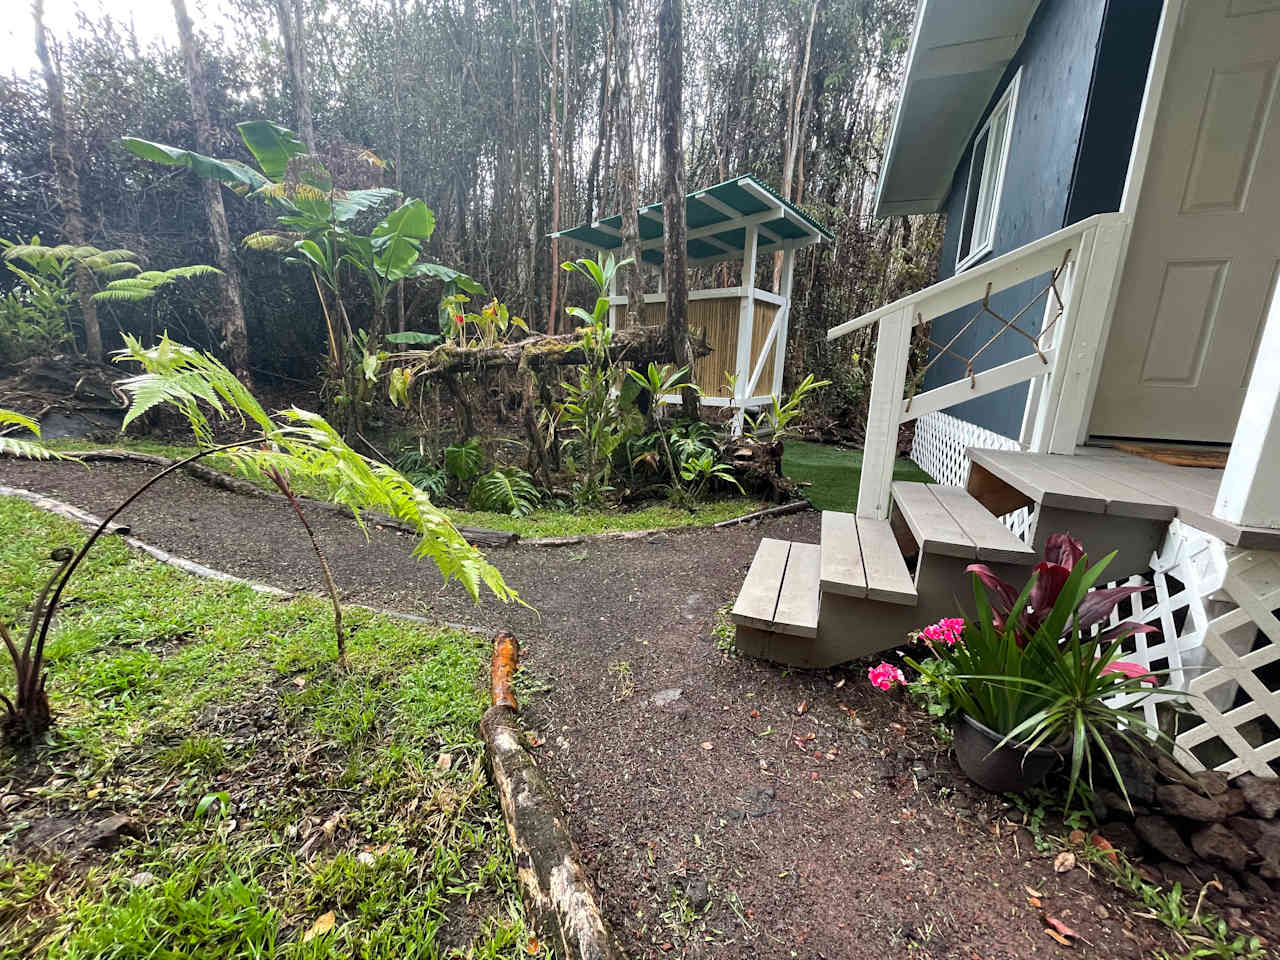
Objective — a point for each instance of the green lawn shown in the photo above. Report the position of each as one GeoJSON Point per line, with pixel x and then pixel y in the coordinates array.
{"type": "Point", "coordinates": [834, 473]}
{"type": "Point", "coordinates": [272, 793]}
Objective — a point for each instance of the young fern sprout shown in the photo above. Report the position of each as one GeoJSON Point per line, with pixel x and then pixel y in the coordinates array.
{"type": "Point", "coordinates": [301, 444]}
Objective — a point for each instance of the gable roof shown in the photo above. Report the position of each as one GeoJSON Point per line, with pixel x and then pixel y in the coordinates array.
{"type": "Point", "coordinates": [717, 218]}
{"type": "Point", "coordinates": [959, 51]}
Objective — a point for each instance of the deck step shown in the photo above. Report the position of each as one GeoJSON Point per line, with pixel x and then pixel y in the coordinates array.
{"type": "Point", "coordinates": [860, 558]}
{"type": "Point", "coordinates": [780, 593]}
{"type": "Point", "coordinates": [948, 521]}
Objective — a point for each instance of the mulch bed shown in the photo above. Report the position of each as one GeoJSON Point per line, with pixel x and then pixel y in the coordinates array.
{"type": "Point", "coordinates": [725, 807]}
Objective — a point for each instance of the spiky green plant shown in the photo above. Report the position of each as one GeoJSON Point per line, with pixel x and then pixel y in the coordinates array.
{"type": "Point", "coordinates": [146, 284]}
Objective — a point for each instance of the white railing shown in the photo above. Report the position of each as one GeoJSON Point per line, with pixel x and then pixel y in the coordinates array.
{"type": "Point", "coordinates": [1084, 261]}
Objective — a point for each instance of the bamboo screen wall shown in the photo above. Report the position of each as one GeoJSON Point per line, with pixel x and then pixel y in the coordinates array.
{"type": "Point", "coordinates": [717, 320]}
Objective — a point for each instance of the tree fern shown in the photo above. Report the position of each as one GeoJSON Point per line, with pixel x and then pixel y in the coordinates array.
{"type": "Point", "coordinates": [298, 443]}
{"type": "Point", "coordinates": [145, 284]}
{"type": "Point", "coordinates": [506, 490]}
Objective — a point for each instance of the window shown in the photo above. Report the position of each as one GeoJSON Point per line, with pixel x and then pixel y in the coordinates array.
{"type": "Point", "coordinates": [986, 179]}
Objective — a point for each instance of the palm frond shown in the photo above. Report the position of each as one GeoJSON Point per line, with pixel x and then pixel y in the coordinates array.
{"type": "Point", "coordinates": [144, 285]}
{"type": "Point", "coordinates": [506, 490]}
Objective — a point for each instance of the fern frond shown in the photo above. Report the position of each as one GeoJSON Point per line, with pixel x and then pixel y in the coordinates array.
{"type": "Point", "coordinates": [11, 446]}
{"type": "Point", "coordinates": [271, 241]}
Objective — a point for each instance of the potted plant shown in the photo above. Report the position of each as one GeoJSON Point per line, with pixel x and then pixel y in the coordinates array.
{"type": "Point", "coordinates": [1036, 676]}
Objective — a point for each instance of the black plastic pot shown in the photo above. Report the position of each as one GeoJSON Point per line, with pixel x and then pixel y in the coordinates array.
{"type": "Point", "coordinates": [1007, 769]}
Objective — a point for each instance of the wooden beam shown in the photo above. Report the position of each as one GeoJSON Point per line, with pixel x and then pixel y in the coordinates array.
{"type": "Point", "coordinates": [884, 413]}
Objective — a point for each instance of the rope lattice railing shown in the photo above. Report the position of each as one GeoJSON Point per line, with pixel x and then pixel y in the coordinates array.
{"type": "Point", "coordinates": [1054, 304]}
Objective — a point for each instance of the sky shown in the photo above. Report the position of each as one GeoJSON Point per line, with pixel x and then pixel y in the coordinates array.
{"type": "Point", "coordinates": [153, 19]}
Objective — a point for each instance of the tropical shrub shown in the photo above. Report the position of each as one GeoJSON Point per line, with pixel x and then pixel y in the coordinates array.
{"type": "Point", "coordinates": [774, 421]}
{"type": "Point", "coordinates": [464, 461]}
{"type": "Point", "coordinates": [1038, 668]}
{"type": "Point", "coordinates": [505, 490]}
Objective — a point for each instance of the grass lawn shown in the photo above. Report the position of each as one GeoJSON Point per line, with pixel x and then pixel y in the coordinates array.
{"type": "Point", "coordinates": [540, 523]}
{"type": "Point", "coordinates": [279, 806]}
{"type": "Point", "coordinates": [834, 473]}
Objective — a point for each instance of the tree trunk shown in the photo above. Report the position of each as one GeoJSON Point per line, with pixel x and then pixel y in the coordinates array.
{"type": "Point", "coordinates": [671, 98]}
{"type": "Point", "coordinates": [562, 903]}
{"type": "Point", "coordinates": [638, 345]}
{"type": "Point", "coordinates": [234, 332]}
{"type": "Point", "coordinates": [797, 122]}
{"type": "Point", "coordinates": [301, 88]}
{"type": "Point", "coordinates": [68, 185]}
{"type": "Point", "coordinates": [627, 165]}
{"type": "Point", "coordinates": [553, 318]}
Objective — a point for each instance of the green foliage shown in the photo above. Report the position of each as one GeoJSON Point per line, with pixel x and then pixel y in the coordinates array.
{"type": "Point", "coordinates": [145, 285]}
{"type": "Point", "coordinates": [301, 444]}
{"type": "Point", "coordinates": [422, 472]}
{"type": "Point", "coordinates": [463, 461]}
{"type": "Point", "coordinates": [402, 883]}
{"type": "Point", "coordinates": [16, 447]}
{"type": "Point", "coordinates": [773, 422]}
{"type": "Point", "coordinates": [505, 490]}
{"type": "Point", "coordinates": [1034, 688]}
{"type": "Point", "coordinates": [35, 316]}
{"type": "Point", "coordinates": [591, 415]}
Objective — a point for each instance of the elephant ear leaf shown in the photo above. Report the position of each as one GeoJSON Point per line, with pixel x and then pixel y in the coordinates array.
{"type": "Point", "coordinates": [232, 172]}
{"type": "Point", "coordinates": [272, 145]}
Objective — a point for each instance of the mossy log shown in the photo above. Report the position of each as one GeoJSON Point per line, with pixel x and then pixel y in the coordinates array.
{"type": "Point", "coordinates": [560, 898]}
{"type": "Point", "coordinates": [541, 351]}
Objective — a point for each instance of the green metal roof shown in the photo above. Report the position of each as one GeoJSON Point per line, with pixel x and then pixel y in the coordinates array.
{"type": "Point", "coordinates": [717, 219]}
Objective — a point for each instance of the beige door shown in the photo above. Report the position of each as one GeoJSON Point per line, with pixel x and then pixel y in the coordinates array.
{"type": "Point", "coordinates": [1205, 248]}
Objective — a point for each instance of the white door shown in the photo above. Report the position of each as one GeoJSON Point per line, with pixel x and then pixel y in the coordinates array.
{"type": "Point", "coordinates": [1205, 249]}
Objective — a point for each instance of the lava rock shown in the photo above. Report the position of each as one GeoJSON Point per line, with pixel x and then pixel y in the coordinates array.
{"type": "Point", "coordinates": [1258, 888]}
{"type": "Point", "coordinates": [1138, 775]}
{"type": "Point", "coordinates": [1219, 846]}
{"type": "Point", "coordinates": [1261, 794]}
{"type": "Point", "coordinates": [1211, 782]}
{"type": "Point", "coordinates": [1114, 802]}
{"type": "Point", "coordinates": [1121, 836]}
{"type": "Point", "coordinates": [1180, 801]}
{"type": "Point", "coordinates": [1262, 836]}
{"type": "Point", "coordinates": [1161, 835]}
{"type": "Point", "coordinates": [699, 894]}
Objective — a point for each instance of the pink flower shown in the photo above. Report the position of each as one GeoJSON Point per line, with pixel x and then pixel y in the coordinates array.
{"type": "Point", "coordinates": [1130, 669]}
{"type": "Point", "coordinates": [885, 675]}
{"type": "Point", "coordinates": [948, 630]}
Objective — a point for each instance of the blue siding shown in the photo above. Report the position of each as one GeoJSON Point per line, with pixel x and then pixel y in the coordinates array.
{"type": "Point", "coordinates": [1057, 61]}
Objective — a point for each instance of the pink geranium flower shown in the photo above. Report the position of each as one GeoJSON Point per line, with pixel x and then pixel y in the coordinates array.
{"type": "Point", "coordinates": [948, 630]}
{"type": "Point", "coordinates": [885, 675]}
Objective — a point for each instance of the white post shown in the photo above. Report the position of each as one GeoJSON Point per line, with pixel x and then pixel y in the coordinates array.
{"type": "Point", "coordinates": [1050, 394]}
{"type": "Point", "coordinates": [746, 326]}
{"type": "Point", "coordinates": [1249, 494]}
{"type": "Point", "coordinates": [611, 293]}
{"type": "Point", "coordinates": [884, 414]}
{"type": "Point", "coordinates": [784, 319]}
{"type": "Point", "coordinates": [1079, 362]}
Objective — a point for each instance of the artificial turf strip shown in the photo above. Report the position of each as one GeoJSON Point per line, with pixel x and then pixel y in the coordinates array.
{"type": "Point", "coordinates": [833, 473]}
{"type": "Point", "coordinates": [272, 794]}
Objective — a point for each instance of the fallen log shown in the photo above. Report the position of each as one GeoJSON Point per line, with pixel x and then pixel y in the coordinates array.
{"type": "Point", "coordinates": [560, 899]}
{"type": "Point", "coordinates": [757, 466]}
{"type": "Point", "coordinates": [542, 351]}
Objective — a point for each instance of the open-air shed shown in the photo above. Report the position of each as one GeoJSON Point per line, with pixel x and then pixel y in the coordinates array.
{"type": "Point", "coordinates": [745, 325]}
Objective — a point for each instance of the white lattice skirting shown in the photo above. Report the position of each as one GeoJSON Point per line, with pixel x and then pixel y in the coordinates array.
{"type": "Point", "coordinates": [939, 446]}
{"type": "Point", "coordinates": [1219, 641]}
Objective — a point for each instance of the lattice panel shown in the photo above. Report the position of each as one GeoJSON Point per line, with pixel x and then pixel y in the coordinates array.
{"type": "Point", "coordinates": [1219, 641]}
{"type": "Point", "coordinates": [939, 447]}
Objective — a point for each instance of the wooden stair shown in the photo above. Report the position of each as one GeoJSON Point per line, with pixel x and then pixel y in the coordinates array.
{"type": "Point", "coordinates": [854, 594]}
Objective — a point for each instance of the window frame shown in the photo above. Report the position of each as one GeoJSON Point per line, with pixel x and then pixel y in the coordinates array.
{"type": "Point", "coordinates": [1006, 105]}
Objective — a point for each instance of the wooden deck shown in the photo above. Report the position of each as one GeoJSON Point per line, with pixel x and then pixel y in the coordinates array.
{"type": "Point", "coordinates": [1102, 480]}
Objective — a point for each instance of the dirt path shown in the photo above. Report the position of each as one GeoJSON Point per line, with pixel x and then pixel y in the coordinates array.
{"type": "Point", "coordinates": [728, 808]}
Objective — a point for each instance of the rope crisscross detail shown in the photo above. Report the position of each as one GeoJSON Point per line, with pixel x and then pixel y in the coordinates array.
{"type": "Point", "coordinates": [1011, 324]}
